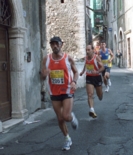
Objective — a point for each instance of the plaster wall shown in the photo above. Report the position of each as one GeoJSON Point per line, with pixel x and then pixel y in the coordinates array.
{"type": "Point", "coordinates": [125, 25]}
{"type": "Point", "coordinates": [32, 44]}
{"type": "Point", "coordinates": [128, 31]}
{"type": "Point", "coordinates": [25, 37]}
{"type": "Point", "coordinates": [112, 34]}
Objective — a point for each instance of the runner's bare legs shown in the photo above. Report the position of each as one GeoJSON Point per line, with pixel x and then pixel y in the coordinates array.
{"type": "Point", "coordinates": [63, 111]}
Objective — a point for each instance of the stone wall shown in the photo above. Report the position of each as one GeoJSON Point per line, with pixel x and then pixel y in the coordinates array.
{"type": "Point", "coordinates": [67, 20]}
{"type": "Point", "coordinates": [32, 44]}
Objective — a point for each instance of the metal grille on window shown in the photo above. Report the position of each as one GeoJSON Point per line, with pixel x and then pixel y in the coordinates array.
{"type": "Point", "coordinates": [5, 15]}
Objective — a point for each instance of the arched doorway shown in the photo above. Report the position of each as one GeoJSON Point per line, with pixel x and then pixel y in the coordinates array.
{"type": "Point", "coordinates": [115, 48]}
{"type": "Point", "coordinates": [129, 52]}
{"type": "Point", "coordinates": [5, 88]}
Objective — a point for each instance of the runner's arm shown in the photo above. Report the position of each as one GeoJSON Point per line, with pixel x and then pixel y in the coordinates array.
{"type": "Point", "coordinates": [74, 70]}
{"type": "Point", "coordinates": [82, 71]}
{"type": "Point", "coordinates": [99, 54]}
{"type": "Point", "coordinates": [111, 55]}
{"type": "Point", "coordinates": [44, 71]}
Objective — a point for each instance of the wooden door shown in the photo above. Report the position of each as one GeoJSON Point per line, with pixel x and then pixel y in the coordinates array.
{"type": "Point", "coordinates": [5, 99]}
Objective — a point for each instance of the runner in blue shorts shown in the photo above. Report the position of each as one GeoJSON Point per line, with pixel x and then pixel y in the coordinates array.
{"type": "Point", "coordinates": [106, 57]}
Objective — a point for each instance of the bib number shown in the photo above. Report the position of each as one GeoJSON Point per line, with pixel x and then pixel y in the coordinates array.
{"type": "Point", "coordinates": [57, 77]}
{"type": "Point", "coordinates": [105, 62]}
{"type": "Point", "coordinates": [57, 81]}
{"type": "Point", "coordinates": [89, 68]}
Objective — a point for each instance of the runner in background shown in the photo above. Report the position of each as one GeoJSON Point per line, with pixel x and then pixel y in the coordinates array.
{"type": "Point", "coordinates": [96, 48]}
{"type": "Point", "coordinates": [93, 67]}
{"type": "Point", "coordinates": [106, 57]}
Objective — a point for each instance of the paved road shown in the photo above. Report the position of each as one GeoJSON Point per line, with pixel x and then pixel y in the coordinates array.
{"type": "Point", "coordinates": [110, 134]}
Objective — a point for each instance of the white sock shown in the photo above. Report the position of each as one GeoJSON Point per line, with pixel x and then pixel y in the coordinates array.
{"type": "Point", "coordinates": [72, 117]}
{"type": "Point", "coordinates": [67, 136]}
{"type": "Point", "coordinates": [108, 80]}
{"type": "Point", "coordinates": [92, 109]}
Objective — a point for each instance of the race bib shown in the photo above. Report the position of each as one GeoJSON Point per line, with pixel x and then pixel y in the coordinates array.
{"type": "Point", "coordinates": [89, 68]}
{"type": "Point", "coordinates": [105, 62]}
{"type": "Point", "coordinates": [57, 77]}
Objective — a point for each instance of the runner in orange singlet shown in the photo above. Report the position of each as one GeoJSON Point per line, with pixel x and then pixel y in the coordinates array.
{"type": "Point", "coordinates": [97, 48]}
{"type": "Point", "coordinates": [93, 67]}
{"type": "Point", "coordinates": [58, 66]}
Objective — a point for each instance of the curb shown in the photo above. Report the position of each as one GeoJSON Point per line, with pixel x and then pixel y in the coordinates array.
{"type": "Point", "coordinates": [38, 118]}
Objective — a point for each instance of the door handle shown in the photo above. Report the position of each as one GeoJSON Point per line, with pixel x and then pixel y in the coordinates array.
{"type": "Point", "coordinates": [4, 66]}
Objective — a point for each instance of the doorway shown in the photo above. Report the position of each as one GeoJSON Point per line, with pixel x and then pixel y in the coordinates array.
{"type": "Point", "coordinates": [5, 89]}
{"type": "Point", "coordinates": [129, 52]}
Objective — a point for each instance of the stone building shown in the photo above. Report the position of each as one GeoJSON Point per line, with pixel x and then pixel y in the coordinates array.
{"type": "Point", "coordinates": [122, 26]}
{"type": "Point", "coordinates": [22, 46]}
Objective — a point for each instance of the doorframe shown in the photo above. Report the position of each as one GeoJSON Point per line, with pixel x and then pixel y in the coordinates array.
{"type": "Point", "coordinates": [128, 35]}
{"type": "Point", "coordinates": [4, 27]}
{"type": "Point", "coordinates": [16, 51]}
{"type": "Point", "coordinates": [129, 64]}
{"type": "Point", "coordinates": [121, 46]}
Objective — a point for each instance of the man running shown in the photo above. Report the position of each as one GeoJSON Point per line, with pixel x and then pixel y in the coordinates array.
{"type": "Point", "coordinates": [106, 57]}
{"type": "Point", "coordinates": [93, 67]}
{"type": "Point", "coordinates": [58, 66]}
{"type": "Point", "coordinates": [96, 48]}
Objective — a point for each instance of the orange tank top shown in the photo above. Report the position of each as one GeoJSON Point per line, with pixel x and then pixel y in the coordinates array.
{"type": "Point", "coordinates": [92, 65]}
{"type": "Point", "coordinates": [60, 76]}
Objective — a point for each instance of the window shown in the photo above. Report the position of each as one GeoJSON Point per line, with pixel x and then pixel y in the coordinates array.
{"type": "Point", "coordinates": [62, 1]}
{"type": "Point", "coordinates": [4, 13]}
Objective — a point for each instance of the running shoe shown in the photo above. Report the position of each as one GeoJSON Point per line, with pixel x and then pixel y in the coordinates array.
{"type": "Point", "coordinates": [92, 114]}
{"type": "Point", "coordinates": [74, 121]}
{"type": "Point", "coordinates": [109, 82]}
{"type": "Point", "coordinates": [67, 144]}
{"type": "Point", "coordinates": [107, 89]}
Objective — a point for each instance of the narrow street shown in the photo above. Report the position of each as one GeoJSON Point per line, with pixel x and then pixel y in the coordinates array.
{"type": "Point", "coordinates": [36, 38]}
{"type": "Point", "coordinates": [110, 134]}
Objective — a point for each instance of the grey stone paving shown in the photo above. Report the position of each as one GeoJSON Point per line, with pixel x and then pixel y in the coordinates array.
{"type": "Point", "coordinates": [110, 134]}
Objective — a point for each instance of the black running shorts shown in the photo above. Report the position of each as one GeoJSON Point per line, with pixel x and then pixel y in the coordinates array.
{"type": "Point", "coordinates": [61, 97]}
{"type": "Point", "coordinates": [107, 69]}
{"type": "Point", "coordinates": [96, 81]}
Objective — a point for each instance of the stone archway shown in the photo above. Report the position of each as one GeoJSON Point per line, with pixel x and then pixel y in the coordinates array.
{"type": "Point", "coordinates": [115, 48]}
{"type": "Point", "coordinates": [16, 50]}
{"type": "Point", "coordinates": [121, 45]}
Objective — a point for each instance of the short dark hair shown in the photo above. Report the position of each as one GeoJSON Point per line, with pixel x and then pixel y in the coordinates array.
{"type": "Point", "coordinates": [56, 38]}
